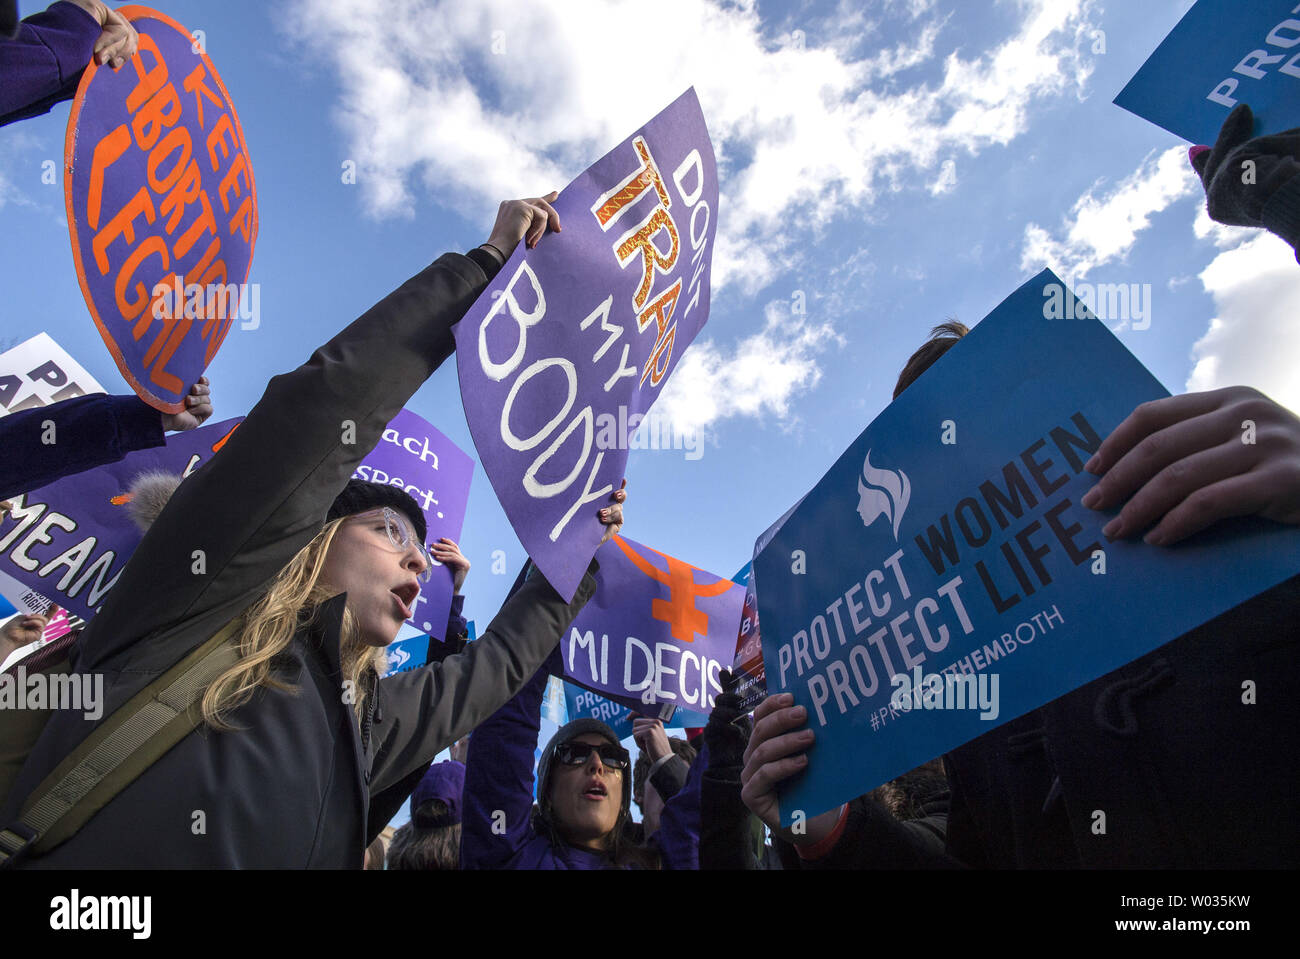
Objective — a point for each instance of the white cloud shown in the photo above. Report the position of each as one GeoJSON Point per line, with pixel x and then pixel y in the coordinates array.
{"type": "Point", "coordinates": [1254, 338]}
{"type": "Point", "coordinates": [1223, 236]}
{"type": "Point", "coordinates": [1104, 227]}
{"type": "Point", "coordinates": [759, 376]}
{"type": "Point", "coordinates": [806, 127]}
{"type": "Point", "coordinates": [802, 133]}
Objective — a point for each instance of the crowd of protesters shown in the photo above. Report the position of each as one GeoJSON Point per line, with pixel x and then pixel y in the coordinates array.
{"type": "Point", "coordinates": [314, 572]}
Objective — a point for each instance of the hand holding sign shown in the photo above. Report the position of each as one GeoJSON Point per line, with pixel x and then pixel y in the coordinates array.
{"type": "Point", "coordinates": [523, 220]}
{"type": "Point", "coordinates": [1243, 173]}
{"type": "Point", "coordinates": [650, 738]}
{"type": "Point", "coordinates": [198, 407]}
{"type": "Point", "coordinates": [775, 753]}
{"type": "Point", "coordinates": [1189, 461]}
{"type": "Point", "coordinates": [612, 516]}
{"type": "Point", "coordinates": [117, 43]}
{"type": "Point", "coordinates": [448, 554]}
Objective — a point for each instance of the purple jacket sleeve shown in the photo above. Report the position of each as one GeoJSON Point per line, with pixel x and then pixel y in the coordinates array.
{"type": "Point", "coordinates": [89, 431]}
{"type": "Point", "coordinates": [499, 780]}
{"type": "Point", "coordinates": [678, 836]}
{"type": "Point", "coordinates": [42, 64]}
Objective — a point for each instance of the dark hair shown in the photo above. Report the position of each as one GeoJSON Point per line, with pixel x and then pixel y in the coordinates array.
{"type": "Point", "coordinates": [622, 851]}
{"type": "Point", "coordinates": [942, 338]}
{"type": "Point", "coordinates": [428, 841]}
{"type": "Point", "coordinates": [904, 796]}
{"type": "Point", "coordinates": [641, 771]}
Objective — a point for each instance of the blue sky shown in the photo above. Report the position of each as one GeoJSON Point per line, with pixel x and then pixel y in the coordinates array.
{"type": "Point", "coordinates": [896, 163]}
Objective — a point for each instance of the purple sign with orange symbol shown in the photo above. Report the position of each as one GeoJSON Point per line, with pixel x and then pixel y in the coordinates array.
{"type": "Point", "coordinates": [588, 324]}
{"type": "Point", "coordinates": [70, 540]}
{"type": "Point", "coordinates": [657, 630]}
{"type": "Point", "coordinates": [162, 209]}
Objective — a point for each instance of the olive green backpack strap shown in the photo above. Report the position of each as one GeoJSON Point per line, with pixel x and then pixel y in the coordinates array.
{"type": "Point", "coordinates": [122, 747]}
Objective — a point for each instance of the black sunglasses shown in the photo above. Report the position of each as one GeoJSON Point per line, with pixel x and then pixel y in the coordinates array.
{"type": "Point", "coordinates": [576, 753]}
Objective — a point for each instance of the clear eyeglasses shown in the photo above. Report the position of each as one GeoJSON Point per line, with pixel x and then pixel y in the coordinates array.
{"type": "Point", "coordinates": [402, 536]}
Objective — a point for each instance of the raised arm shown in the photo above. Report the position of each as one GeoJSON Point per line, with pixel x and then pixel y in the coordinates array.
{"type": "Point", "coordinates": [429, 708]}
{"type": "Point", "coordinates": [235, 522]}
{"type": "Point", "coordinates": [498, 796]}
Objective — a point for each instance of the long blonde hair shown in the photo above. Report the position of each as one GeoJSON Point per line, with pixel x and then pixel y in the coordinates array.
{"type": "Point", "coordinates": [268, 626]}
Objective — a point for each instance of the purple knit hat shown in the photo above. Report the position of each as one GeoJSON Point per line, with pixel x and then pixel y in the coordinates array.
{"type": "Point", "coordinates": [445, 781]}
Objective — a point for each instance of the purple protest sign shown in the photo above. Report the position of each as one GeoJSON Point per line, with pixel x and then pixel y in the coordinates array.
{"type": "Point", "coordinates": [657, 630]}
{"type": "Point", "coordinates": [71, 539]}
{"type": "Point", "coordinates": [416, 457]}
{"type": "Point", "coordinates": [162, 209]}
{"type": "Point", "coordinates": [592, 320]}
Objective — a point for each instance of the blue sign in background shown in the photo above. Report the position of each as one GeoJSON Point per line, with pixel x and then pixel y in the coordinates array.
{"type": "Point", "coordinates": [616, 715]}
{"type": "Point", "coordinates": [998, 395]}
{"type": "Point", "coordinates": [1207, 64]}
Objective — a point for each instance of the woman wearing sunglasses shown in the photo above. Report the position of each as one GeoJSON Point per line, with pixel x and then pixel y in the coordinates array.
{"type": "Point", "coordinates": [317, 573]}
{"type": "Point", "coordinates": [584, 791]}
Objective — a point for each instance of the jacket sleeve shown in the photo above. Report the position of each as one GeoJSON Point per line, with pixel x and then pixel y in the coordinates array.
{"type": "Point", "coordinates": [678, 836]}
{"type": "Point", "coordinates": [42, 63]}
{"type": "Point", "coordinates": [669, 778]}
{"type": "Point", "coordinates": [89, 431]}
{"type": "Point", "coordinates": [726, 837]}
{"type": "Point", "coordinates": [499, 778]}
{"type": "Point", "coordinates": [429, 708]}
{"type": "Point", "coordinates": [263, 497]}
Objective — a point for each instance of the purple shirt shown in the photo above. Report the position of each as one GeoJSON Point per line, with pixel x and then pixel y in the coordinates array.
{"type": "Point", "coordinates": [43, 63]}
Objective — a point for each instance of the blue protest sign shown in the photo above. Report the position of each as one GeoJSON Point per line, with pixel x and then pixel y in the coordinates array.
{"type": "Point", "coordinates": [405, 654]}
{"type": "Point", "coordinates": [618, 716]}
{"type": "Point", "coordinates": [1223, 52]}
{"type": "Point", "coordinates": [949, 542]}
{"type": "Point", "coordinates": [573, 341]}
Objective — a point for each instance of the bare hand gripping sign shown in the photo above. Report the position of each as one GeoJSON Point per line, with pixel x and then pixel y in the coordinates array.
{"type": "Point", "coordinates": [593, 319]}
{"type": "Point", "coordinates": [162, 209]}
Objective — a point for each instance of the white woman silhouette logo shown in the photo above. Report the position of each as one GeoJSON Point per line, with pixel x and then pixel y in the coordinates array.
{"type": "Point", "coordinates": [882, 493]}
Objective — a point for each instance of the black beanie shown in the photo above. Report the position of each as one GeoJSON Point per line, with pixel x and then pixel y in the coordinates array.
{"type": "Point", "coordinates": [359, 497]}
{"type": "Point", "coordinates": [573, 730]}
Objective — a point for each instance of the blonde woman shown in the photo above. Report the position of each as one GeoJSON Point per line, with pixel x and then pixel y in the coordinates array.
{"type": "Point", "coordinates": [319, 573]}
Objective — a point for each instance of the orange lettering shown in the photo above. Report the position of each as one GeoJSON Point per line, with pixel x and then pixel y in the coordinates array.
{"type": "Point", "coordinates": [611, 204]}
{"type": "Point", "coordinates": [243, 219]}
{"type": "Point", "coordinates": [217, 137]}
{"type": "Point", "coordinates": [230, 182]}
{"type": "Point", "coordinates": [641, 240]}
{"type": "Point", "coordinates": [178, 138]}
{"type": "Point", "coordinates": [162, 111]}
{"type": "Point", "coordinates": [149, 83]}
{"type": "Point", "coordinates": [661, 309]}
{"type": "Point", "coordinates": [194, 84]}
{"type": "Point", "coordinates": [122, 225]}
{"type": "Point", "coordinates": [107, 152]}
{"type": "Point", "coordinates": [203, 221]}
{"type": "Point", "coordinates": [130, 309]}
{"type": "Point", "coordinates": [157, 374]}
{"type": "Point", "coordinates": [183, 194]}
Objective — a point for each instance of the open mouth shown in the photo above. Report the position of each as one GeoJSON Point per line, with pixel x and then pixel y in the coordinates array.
{"type": "Point", "coordinates": [406, 594]}
{"type": "Point", "coordinates": [595, 791]}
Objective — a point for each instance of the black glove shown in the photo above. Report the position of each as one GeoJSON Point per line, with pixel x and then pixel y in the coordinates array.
{"type": "Point", "coordinates": [727, 733]}
{"type": "Point", "coordinates": [1234, 195]}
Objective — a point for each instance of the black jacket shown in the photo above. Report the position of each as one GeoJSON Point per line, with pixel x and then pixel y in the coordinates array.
{"type": "Point", "coordinates": [292, 788]}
